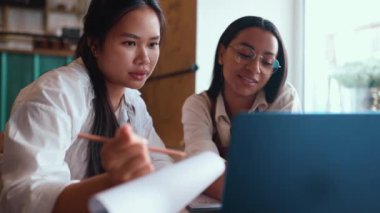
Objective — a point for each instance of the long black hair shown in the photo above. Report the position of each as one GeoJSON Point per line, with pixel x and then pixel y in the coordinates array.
{"type": "Point", "coordinates": [101, 16]}
{"type": "Point", "coordinates": [277, 79]}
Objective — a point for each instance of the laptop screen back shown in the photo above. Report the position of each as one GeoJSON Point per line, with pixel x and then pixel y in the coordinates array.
{"type": "Point", "coordinates": [304, 163]}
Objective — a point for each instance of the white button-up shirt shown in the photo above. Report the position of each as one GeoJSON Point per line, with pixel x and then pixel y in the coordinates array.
{"type": "Point", "coordinates": [42, 151]}
{"type": "Point", "coordinates": [198, 126]}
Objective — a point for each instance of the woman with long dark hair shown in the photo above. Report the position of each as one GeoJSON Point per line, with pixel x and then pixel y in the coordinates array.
{"type": "Point", "coordinates": [249, 75]}
{"type": "Point", "coordinates": [47, 168]}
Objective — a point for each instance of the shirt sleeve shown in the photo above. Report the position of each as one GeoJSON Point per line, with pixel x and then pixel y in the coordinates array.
{"type": "Point", "coordinates": [287, 100]}
{"type": "Point", "coordinates": [197, 126]}
{"type": "Point", "coordinates": [34, 170]}
{"type": "Point", "coordinates": [44, 119]}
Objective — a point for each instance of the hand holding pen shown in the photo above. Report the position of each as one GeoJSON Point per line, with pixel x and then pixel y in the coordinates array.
{"type": "Point", "coordinates": [126, 156]}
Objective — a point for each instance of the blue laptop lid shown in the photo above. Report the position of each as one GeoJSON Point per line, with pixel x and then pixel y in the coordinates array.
{"type": "Point", "coordinates": [304, 163]}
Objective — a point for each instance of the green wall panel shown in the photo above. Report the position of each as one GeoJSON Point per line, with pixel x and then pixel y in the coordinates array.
{"type": "Point", "coordinates": [17, 71]}
{"type": "Point", "coordinates": [51, 62]}
{"type": "Point", "coordinates": [19, 74]}
{"type": "Point", "coordinates": [3, 89]}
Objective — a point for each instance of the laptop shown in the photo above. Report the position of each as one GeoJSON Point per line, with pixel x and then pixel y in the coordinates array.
{"type": "Point", "coordinates": [303, 163]}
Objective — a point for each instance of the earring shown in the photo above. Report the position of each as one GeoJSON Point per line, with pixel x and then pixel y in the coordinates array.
{"type": "Point", "coordinates": [94, 51]}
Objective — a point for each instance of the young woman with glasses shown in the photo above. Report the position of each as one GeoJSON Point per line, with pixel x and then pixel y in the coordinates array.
{"type": "Point", "coordinates": [249, 75]}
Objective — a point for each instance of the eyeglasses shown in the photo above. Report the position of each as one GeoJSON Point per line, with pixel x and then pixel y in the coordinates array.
{"type": "Point", "coordinates": [245, 55]}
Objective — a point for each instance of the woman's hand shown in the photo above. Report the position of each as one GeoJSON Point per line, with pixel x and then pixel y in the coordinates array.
{"type": "Point", "coordinates": [126, 156]}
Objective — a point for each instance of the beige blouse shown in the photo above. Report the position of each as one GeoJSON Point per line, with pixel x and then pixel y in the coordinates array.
{"type": "Point", "coordinates": [198, 126]}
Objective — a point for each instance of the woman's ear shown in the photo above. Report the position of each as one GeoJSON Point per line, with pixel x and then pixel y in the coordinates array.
{"type": "Point", "coordinates": [221, 52]}
{"type": "Point", "coordinates": [93, 46]}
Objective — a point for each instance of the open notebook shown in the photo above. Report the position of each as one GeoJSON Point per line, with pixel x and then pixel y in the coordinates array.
{"type": "Point", "coordinates": [304, 163]}
{"type": "Point", "coordinates": [167, 190]}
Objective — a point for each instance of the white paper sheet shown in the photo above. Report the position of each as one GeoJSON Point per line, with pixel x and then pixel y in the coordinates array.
{"type": "Point", "coordinates": [167, 190]}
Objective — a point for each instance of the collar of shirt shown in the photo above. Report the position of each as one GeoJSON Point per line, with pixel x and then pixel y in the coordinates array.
{"type": "Point", "coordinates": [260, 104]}
{"type": "Point", "coordinates": [128, 113]}
{"type": "Point", "coordinates": [223, 122]}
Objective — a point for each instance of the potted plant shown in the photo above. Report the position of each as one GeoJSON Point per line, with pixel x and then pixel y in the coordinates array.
{"type": "Point", "coordinates": [360, 81]}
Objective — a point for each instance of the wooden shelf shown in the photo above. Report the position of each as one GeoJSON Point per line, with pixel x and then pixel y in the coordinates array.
{"type": "Point", "coordinates": [39, 51]}
{"type": "Point", "coordinates": [30, 5]}
{"type": "Point", "coordinates": [57, 10]}
{"type": "Point", "coordinates": [46, 10]}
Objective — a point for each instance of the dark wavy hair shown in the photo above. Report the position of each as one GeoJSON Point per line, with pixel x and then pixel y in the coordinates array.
{"type": "Point", "coordinates": [101, 16]}
{"type": "Point", "coordinates": [277, 79]}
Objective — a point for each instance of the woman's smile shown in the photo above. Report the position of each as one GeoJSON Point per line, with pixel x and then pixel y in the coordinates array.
{"type": "Point", "coordinates": [251, 81]}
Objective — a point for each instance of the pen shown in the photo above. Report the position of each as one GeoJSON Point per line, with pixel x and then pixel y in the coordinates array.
{"type": "Point", "coordinates": [103, 139]}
